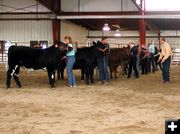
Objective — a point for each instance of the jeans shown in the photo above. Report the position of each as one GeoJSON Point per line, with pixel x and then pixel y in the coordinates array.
{"type": "Point", "coordinates": [144, 65]}
{"type": "Point", "coordinates": [70, 75]}
{"type": "Point", "coordinates": [152, 63]}
{"type": "Point", "coordinates": [102, 71]}
{"type": "Point", "coordinates": [132, 65]}
{"type": "Point", "coordinates": [107, 76]}
{"type": "Point", "coordinates": [165, 69]}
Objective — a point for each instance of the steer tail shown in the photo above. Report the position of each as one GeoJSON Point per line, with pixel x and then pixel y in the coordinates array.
{"type": "Point", "coordinates": [7, 66]}
{"type": "Point", "coordinates": [8, 57]}
{"type": "Point", "coordinates": [7, 61]}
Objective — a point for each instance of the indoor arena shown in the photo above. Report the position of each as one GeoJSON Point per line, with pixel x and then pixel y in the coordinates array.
{"type": "Point", "coordinates": [89, 67]}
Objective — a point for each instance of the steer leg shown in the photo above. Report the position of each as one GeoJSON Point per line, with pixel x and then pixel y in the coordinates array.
{"type": "Point", "coordinates": [91, 76]}
{"type": "Point", "coordinates": [115, 74]}
{"type": "Point", "coordinates": [111, 72]}
{"type": "Point", "coordinates": [87, 76]}
{"type": "Point", "coordinates": [8, 80]}
{"type": "Point", "coordinates": [58, 72]}
{"type": "Point", "coordinates": [10, 73]}
{"type": "Point", "coordinates": [82, 74]}
{"type": "Point", "coordinates": [62, 73]}
{"type": "Point", "coordinates": [16, 77]}
{"type": "Point", "coordinates": [51, 76]}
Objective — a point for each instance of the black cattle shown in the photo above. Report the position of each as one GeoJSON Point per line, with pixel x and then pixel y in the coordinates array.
{"type": "Point", "coordinates": [86, 60]}
{"type": "Point", "coordinates": [118, 57]}
{"type": "Point", "coordinates": [34, 58]}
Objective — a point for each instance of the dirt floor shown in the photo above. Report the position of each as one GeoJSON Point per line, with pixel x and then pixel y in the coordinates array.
{"type": "Point", "coordinates": [124, 106]}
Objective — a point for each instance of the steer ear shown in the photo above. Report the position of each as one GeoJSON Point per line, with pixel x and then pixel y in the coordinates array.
{"type": "Point", "coordinates": [56, 44]}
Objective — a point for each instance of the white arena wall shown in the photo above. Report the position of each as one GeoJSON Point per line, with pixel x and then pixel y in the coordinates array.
{"type": "Point", "coordinates": [23, 31]}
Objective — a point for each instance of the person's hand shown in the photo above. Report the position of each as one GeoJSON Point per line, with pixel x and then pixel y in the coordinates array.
{"type": "Point", "coordinates": [105, 49]}
{"type": "Point", "coordinates": [162, 60]}
{"type": "Point", "coordinates": [64, 57]}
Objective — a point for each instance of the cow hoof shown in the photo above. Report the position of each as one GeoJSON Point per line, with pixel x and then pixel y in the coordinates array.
{"type": "Point", "coordinates": [19, 86]}
{"type": "Point", "coordinates": [7, 87]}
{"type": "Point", "coordinates": [53, 88]}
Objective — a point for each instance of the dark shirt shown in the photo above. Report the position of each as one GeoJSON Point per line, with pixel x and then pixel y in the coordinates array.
{"type": "Point", "coordinates": [100, 53]}
{"type": "Point", "coordinates": [107, 52]}
{"type": "Point", "coordinates": [134, 51]}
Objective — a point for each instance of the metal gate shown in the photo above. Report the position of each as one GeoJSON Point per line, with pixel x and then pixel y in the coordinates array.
{"type": "Point", "coordinates": [3, 52]}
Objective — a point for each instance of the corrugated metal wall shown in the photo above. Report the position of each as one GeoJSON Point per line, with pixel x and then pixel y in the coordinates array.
{"type": "Point", "coordinates": [24, 31]}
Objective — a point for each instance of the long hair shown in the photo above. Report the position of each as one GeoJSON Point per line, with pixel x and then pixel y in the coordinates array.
{"type": "Point", "coordinates": [68, 38]}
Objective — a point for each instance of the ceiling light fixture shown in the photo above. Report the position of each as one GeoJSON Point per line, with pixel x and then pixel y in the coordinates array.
{"type": "Point", "coordinates": [117, 33]}
{"type": "Point", "coordinates": [106, 27]}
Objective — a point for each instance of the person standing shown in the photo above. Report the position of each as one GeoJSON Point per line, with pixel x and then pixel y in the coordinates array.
{"type": "Point", "coordinates": [144, 59]}
{"type": "Point", "coordinates": [107, 52]}
{"type": "Point", "coordinates": [152, 59]}
{"type": "Point", "coordinates": [102, 63]}
{"type": "Point", "coordinates": [165, 59]}
{"type": "Point", "coordinates": [133, 60]}
{"type": "Point", "coordinates": [70, 61]}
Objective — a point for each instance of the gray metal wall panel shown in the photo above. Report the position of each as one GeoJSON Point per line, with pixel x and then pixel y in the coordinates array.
{"type": "Point", "coordinates": [69, 5]}
{"type": "Point", "coordinates": [98, 5]}
{"type": "Point", "coordinates": [24, 31]}
{"type": "Point", "coordinates": [128, 5]}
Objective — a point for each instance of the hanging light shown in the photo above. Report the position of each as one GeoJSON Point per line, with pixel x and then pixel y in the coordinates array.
{"type": "Point", "coordinates": [106, 27]}
{"type": "Point", "coordinates": [117, 33]}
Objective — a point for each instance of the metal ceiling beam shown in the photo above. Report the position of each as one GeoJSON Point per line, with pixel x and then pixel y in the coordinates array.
{"type": "Point", "coordinates": [162, 16]}
{"type": "Point", "coordinates": [100, 13]}
{"type": "Point", "coordinates": [17, 19]}
{"type": "Point", "coordinates": [24, 13]}
{"type": "Point", "coordinates": [162, 12]}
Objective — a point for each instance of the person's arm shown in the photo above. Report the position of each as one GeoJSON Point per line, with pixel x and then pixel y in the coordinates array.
{"type": "Point", "coordinates": [102, 50]}
{"type": "Point", "coordinates": [160, 57]}
{"type": "Point", "coordinates": [70, 47]}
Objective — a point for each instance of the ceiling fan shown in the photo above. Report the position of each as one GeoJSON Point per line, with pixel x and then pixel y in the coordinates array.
{"type": "Point", "coordinates": [119, 28]}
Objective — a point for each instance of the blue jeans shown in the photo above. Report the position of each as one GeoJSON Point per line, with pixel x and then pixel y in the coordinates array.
{"type": "Point", "coordinates": [107, 75]}
{"type": "Point", "coordinates": [70, 75]}
{"type": "Point", "coordinates": [165, 69]}
{"type": "Point", "coordinates": [102, 71]}
{"type": "Point", "coordinates": [152, 63]}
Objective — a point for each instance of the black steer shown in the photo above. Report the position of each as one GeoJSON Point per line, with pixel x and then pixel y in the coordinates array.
{"type": "Point", "coordinates": [34, 58]}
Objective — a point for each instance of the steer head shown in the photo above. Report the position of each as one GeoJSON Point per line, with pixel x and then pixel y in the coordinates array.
{"type": "Point", "coordinates": [61, 45]}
